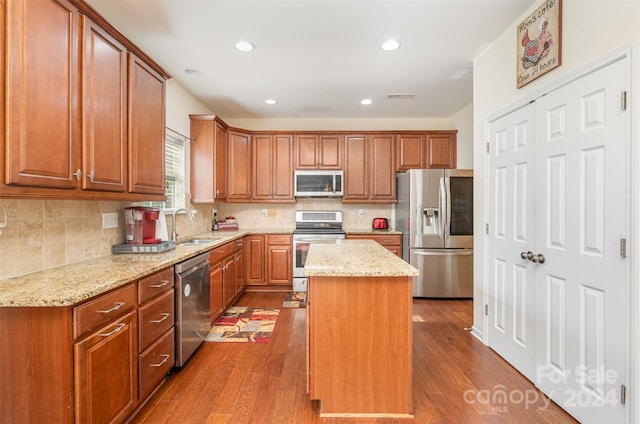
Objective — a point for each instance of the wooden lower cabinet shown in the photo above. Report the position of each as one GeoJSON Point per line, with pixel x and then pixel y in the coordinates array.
{"type": "Point", "coordinates": [156, 340]}
{"type": "Point", "coordinates": [255, 258]}
{"type": "Point", "coordinates": [217, 300]}
{"type": "Point", "coordinates": [95, 362]}
{"type": "Point", "coordinates": [347, 374]}
{"type": "Point", "coordinates": [240, 280]}
{"type": "Point", "coordinates": [279, 261]}
{"type": "Point", "coordinates": [393, 242]}
{"type": "Point", "coordinates": [106, 368]}
{"type": "Point", "coordinates": [227, 276]}
{"type": "Point", "coordinates": [269, 259]}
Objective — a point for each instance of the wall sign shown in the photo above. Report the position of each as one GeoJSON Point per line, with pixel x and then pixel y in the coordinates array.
{"type": "Point", "coordinates": [539, 42]}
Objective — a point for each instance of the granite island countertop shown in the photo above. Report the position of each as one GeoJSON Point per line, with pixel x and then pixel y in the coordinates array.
{"type": "Point", "coordinates": [71, 284]}
{"type": "Point", "coordinates": [354, 258]}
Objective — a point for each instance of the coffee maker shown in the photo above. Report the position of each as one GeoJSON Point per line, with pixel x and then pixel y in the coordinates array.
{"type": "Point", "coordinates": [140, 224]}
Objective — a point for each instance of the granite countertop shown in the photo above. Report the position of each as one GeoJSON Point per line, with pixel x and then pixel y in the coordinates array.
{"type": "Point", "coordinates": [74, 283]}
{"type": "Point", "coordinates": [354, 258]}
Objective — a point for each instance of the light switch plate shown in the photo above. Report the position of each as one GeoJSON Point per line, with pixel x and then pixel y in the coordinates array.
{"type": "Point", "coordinates": [110, 220]}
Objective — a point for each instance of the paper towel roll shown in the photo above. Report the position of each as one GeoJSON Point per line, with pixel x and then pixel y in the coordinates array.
{"type": "Point", "coordinates": [161, 227]}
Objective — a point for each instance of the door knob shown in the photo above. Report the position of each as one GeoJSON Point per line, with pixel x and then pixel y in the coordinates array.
{"type": "Point", "coordinates": [539, 258]}
{"type": "Point", "coordinates": [526, 255]}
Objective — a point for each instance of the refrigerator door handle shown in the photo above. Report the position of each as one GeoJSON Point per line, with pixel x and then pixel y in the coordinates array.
{"type": "Point", "coordinates": [444, 209]}
{"type": "Point", "coordinates": [461, 252]}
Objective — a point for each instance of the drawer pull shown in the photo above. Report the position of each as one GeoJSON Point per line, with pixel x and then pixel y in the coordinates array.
{"type": "Point", "coordinates": [115, 330]}
{"type": "Point", "coordinates": [388, 241]}
{"type": "Point", "coordinates": [166, 358]}
{"type": "Point", "coordinates": [164, 316]}
{"type": "Point", "coordinates": [162, 284]}
{"type": "Point", "coordinates": [117, 306]}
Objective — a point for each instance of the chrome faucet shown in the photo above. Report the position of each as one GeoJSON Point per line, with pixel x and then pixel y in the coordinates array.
{"type": "Point", "coordinates": [174, 232]}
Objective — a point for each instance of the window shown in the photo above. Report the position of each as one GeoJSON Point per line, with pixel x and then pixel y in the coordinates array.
{"type": "Point", "coordinates": [174, 164]}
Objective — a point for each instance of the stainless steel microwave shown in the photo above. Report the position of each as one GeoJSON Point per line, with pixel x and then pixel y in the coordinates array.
{"type": "Point", "coordinates": [318, 183]}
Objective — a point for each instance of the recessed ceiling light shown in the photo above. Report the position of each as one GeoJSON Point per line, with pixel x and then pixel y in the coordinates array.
{"type": "Point", "coordinates": [194, 72]}
{"type": "Point", "coordinates": [244, 46]}
{"type": "Point", "coordinates": [366, 101]}
{"type": "Point", "coordinates": [271, 101]}
{"type": "Point", "coordinates": [390, 45]}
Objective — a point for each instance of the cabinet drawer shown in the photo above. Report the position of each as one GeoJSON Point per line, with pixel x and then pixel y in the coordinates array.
{"type": "Point", "coordinates": [385, 240]}
{"type": "Point", "coordinates": [100, 311]}
{"type": "Point", "coordinates": [279, 239]}
{"type": "Point", "coordinates": [155, 362]}
{"type": "Point", "coordinates": [155, 284]}
{"type": "Point", "coordinates": [154, 319]}
{"type": "Point", "coordinates": [221, 252]}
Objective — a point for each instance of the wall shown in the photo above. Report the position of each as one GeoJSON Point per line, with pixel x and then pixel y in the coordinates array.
{"type": "Point", "coordinates": [590, 30]}
{"type": "Point", "coordinates": [463, 122]}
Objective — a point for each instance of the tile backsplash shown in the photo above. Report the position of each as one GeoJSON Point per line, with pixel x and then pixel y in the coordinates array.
{"type": "Point", "coordinates": [43, 234]}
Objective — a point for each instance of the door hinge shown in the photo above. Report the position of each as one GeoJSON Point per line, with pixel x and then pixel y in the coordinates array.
{"type": "Point", "coordinates": [623, 100]}
{"type": "Point", "coordinates": [488, 147]}
{"type": "Point", "coordinates": [623, 248]}
{"type": "Point", "coordinates": [486, 228]}
{"type": "Point", "coordinates": [623, 394]}
{"type": "Point", "coordinates": [486, 309]}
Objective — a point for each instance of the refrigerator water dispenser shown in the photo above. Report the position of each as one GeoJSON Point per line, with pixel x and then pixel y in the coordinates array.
{"type": "Point", "coordinates": [431, 221]}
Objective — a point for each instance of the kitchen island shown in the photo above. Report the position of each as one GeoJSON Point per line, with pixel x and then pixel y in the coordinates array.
{"type": "Point", "coordinates": [359, 323]}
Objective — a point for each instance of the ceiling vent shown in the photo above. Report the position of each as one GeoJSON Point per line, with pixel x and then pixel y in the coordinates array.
{"type": "Point", "coordinates": [401, 96]}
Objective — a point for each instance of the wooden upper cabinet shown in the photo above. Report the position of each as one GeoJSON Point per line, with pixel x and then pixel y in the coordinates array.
{"type": "Point", "coordinates": [239, 175]}
{"type": "Point", "coordinates": [383, 168]}
{"type": "Point", "coordinates": [369, 168]}
{"type": "Point", "coordinates": [220, 166]}
{"type": "Point", "coordinates": [262, 163]}
{"type": "Point", "coordinates": [318, 151]}
{"type": "Point", "coordinates": [273, 168]}
{"type": "Point", "coordinates": [146, 128]}
{"type": "Point", "coordinates": [431, 149]}
{"type": "Point", "coordinates": [409, 151]}
{"type": "Point", "coordinates": [42, 92]}
{"type": "Point", "coordinates": [208, 159]}
{"type": "Point", "coordinates": [440, 150]}
{"type": "Point", "coordinates": [356, 168]}
{"type": "Point", "coordinates": [82, 113]}
{"type": "Point", "coordinates": [104, 90]}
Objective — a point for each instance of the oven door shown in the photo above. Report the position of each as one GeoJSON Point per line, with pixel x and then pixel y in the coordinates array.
{"type": "Point", "coordinates": [301, 244]}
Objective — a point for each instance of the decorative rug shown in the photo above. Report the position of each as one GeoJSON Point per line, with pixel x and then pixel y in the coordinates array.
{"type": "Point", "coordinates": [241, 324]}
{"type": "Point", "coordinates": [295, 300]}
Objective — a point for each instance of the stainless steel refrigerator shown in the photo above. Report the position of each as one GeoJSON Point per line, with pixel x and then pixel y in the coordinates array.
{"type": "Point", "coordinates": [435, 214]}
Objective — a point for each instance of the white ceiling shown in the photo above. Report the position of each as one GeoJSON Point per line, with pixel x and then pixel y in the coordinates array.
{"type": "Point", "coordinates": [318, 58]}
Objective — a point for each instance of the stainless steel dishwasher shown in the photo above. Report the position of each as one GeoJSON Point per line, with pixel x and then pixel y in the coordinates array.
{"type": "Point", "coordinates": [193, 306]}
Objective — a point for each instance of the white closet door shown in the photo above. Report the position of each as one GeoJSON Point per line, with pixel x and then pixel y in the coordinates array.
{"type": "Point", "coordinates": [581, 216]}
{"type": "Point", "coordinates": [512, 231]}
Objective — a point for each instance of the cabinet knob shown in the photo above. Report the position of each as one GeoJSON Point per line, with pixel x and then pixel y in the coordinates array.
{"type": "Point", "coordinates": [78, 174]}
{"type": "Point", "coordinates": [91, 176]}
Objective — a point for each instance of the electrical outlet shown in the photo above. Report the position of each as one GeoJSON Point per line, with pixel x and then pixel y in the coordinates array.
{"type": "Point", "coordinates": [110, 220]}
{"type": "Point", "coordinates": [264, 212]}
{"type": "Point", "coordinates": [360, 212]}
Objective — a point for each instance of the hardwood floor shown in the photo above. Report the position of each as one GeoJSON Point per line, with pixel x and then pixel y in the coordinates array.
{"type": "Point", "coordinates": [456, 378]}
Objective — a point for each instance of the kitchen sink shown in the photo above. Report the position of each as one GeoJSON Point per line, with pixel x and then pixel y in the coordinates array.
{"type": "Point", "coordinates": [198, 242]}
